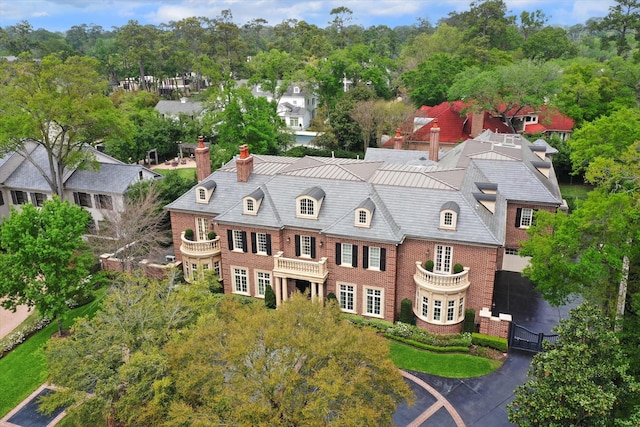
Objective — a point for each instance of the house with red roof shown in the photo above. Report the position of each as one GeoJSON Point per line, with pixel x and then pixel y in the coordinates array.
{"type": "Point", "coordinates": [458, 125]}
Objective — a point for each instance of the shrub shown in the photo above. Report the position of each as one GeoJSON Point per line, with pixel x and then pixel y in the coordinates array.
{"type": "Point", "coordinates": [433, 348]}
{"type": "Point", "coordinates": [469, 324]}
{"type": "Point", "coordinates": [269, 297]}
{"type": "Point", "coordinates": [428, 265]}
{"type": "Point", "coordinates": [415, 333]}
{"type": "Point", "coordinates": [458, 268]}
{"type": "Point", "coordinates": [406, 312]}
{"type": "Point", "coordinates": [490, 341]}
{"type": "Point", "coordinates": [188, 234]}
{"type": "Point", "coordinates": [23, 332]}
{"type": "Point", "coordinates": [211, 235]}
{"type": "Point", "coordinates": [331, 297]}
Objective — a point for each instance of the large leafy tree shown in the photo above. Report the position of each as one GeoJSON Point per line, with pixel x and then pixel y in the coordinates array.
{"type": "Point", "coordinates": [506, 90]}
{"type": "Point", "coordinates": [549, 43]}
{"type": "Point", "coordinates": [582, 381]}
{"type": "Point", "coordinates": [45, 263]}
{"type": "Point", "coordinates": [60, 105]}
{"type": "Point", "coordinates": [274, 71]}
{"type": "Point", "coordinates": [623, 20]}
{"type": "Point", "coordinates": [299, 365]}
{"type": "Point", "coordinates": [429, 83]}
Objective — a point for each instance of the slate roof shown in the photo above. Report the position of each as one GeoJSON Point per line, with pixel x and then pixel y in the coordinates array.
{"type": "Point", "coordinates": [110, 178]}
{"type": "Point", "coordinates": [175, 108]}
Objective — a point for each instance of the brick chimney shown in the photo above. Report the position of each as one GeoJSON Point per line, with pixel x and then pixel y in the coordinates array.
{"type": "Point", "coordinates": [434, 141]}
{"type": "Point", "coordinates": [398, 140]}
{"type": "Point", "coordinates": [477, 123]}
{"type": "Point", "coordinates": [203, 161]}
{"type": "Point", "coordinates": [244, 164]}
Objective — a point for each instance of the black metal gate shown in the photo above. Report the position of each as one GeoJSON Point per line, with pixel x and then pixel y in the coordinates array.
{"type": "Point", "coordinates": [524, 339]}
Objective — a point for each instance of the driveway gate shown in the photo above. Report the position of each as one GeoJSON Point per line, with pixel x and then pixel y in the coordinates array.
{"type": "Point", "coordinates": [524, 339]}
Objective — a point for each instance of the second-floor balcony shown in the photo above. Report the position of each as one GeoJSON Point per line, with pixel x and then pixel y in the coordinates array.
{"type": "Point", "coordinates": [439, 282]}
{"type": "Point", "coordinates": [314, 271]}
{"type": "Point", "coordinates": [200, 248]}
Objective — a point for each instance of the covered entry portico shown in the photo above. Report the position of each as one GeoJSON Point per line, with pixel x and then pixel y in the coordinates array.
{"type": "Point", "coordinates": [314, 272]}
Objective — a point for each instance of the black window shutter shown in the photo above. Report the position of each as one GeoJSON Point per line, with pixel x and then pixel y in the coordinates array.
{"type": "Point", "coordinates": [365, 257]}
{"type": "Point", "coordinates": [354, 256]}
{"type": "Point", "coordinates": [338, 254]}
{"type": "Point", "coordinates": [313, 247]}
{"type": "Point", "coordinates": [383, 259]}
{"type": "Point", "coordinates": [254, 247]}
{"type": "Point", "coordinates": [244, 241]}
{"type": "Point", "coordinates": [518, 215]}
{"type": "Point", "coordinates": [230, 239]}
{"type": "Point", "coordinates": [76, 199]}
{"type": "Point", "coordinates": [297, 241]}
{"type": "Point", "coordinates": [268, 244]}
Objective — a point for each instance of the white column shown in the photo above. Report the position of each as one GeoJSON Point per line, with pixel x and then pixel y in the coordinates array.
{"type": "Point", "coordinates": [278, 289]}
{"type": "Point", "coordinates": [313, 291]}
{"type": "Point", "coordinates": [321, 292]}
{"type": "Point", "coordinates": [285, 293]}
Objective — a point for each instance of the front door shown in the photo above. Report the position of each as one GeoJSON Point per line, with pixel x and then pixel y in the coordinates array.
{"type": "Point", "coordinates": [304, 287]}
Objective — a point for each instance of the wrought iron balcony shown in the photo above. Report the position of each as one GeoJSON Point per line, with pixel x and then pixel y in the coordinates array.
{"type": "Point", "coordinates": [199, 248]}
{"type": "Point", "coordinates": [440, 282]}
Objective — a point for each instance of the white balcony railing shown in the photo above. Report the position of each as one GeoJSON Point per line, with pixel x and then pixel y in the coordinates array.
{"type": "Point", "coordinates": [441, 281]}
{"type": "Point", "coordinates": [302, 269]}
{"type": "Point", "coordinates": [199, 247]}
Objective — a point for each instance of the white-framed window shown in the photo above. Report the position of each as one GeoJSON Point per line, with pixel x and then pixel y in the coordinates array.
{"type": "Point", "coordinates": [249, 205]}
{"type": "Point", "coordinates": [202, 228]}
{"type": "Point", "coordinates": [346, 254]}
{"type": "Point", "coordinates": [38, 199]}
{"type": "Point", "coordinates": [294, 121]}
{"type": "Point", "coordinates": [240, 280]}
{"type": "Point", "coordinates": [216, 268]}
{"type": "Point", "coordinates": [374, 258]}
{"type": "Point", "coordinates": [261, 243]}
{"type": "Point", "coordinates": [307, 207]}
{"type": "Point", "coordinates": [363, 218]}
{"type": "Point", "coordinates": [373, 303]}
{"type": "Point", "coordinates": [526, 217]}
{"type": "Point", "coordinates": [263, 279]}
{"type": "Point", "coordinates": [460, 308]}
{"type": "Point", "coordinates": [451, 310]}
{"type": "Point", "coordinates": [202, 194]}
{"type": "Point", "coordinates": [81, 199]}
{"type": "Point", "coordinates": [296, 89]}
{"type": "Point", "coordinates": [347, 297]}
{"type": "Point", "coordinates": [18, 197]}
{"type": "Point", "coordinates": [305, 246]}
{"type": "Point", "coordinates": [448, 219]}
{"type": "Point", "coordinates": [442, 263]}
{"type": "Point", "coordinates": [437, 310]}
{"type": "Point", "coordinates": [425, 307]}
{"type": "Point", "coordinates": [510, 251]}
{"type": "Point", "coordinates": [238, 240]}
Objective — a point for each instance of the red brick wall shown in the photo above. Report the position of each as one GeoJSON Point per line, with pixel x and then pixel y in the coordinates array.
{"type": "Point", "coordinates": [515, 235]}
{"type": "Point", "coordinates": [440, 329]}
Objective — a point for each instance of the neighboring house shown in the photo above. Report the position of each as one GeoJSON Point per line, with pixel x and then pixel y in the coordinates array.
{"type": "Point", "coordinates": [95, 190]}
{"type": "Point", "coordinates": [457, 126]}
{"type": "Point", "coordinates": [363, 229]}
{"type": "Point", "coordinates": [297, 106]}
{"type": "Point", "coordinates": [174, 109]}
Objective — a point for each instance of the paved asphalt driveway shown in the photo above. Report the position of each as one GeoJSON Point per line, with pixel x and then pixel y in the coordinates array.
{"type": "Point", "coordinates": [481, 401]}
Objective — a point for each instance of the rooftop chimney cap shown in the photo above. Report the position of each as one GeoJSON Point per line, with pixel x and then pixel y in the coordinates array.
{"type": "Point", "coordinates": [398, 133]}
{"type": "Point", "coordinates": [435, 124]}
{"type": "Point", "coordinates": [201, 142]}
{"type": "Point", "coordinates": [244, 151]}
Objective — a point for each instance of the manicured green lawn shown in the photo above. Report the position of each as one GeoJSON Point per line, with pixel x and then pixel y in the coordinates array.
{"type": "Point", "coordinates": [574, 191]}
{"type": "Point", "coordinates": [189, 173]}
{"type": "Point", "coordinates": [451, 365]}
{"type": "Point", "coordinates": [24, 369]}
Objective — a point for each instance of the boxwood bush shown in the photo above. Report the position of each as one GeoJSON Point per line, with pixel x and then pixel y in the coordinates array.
{"type": "Point", "coordinates": [490, 341]}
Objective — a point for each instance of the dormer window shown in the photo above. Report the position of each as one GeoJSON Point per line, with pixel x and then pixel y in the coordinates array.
{"type": "Point", "coordinates": [296, 89]}
{"type": "Point", "coordinates": [308, 203]}
{"type": "Point", "coordinates": [251, 203]}
{"type": "Point", "coordinates": [449, 216]}
{"type": "Point", "coordinates": [204, 191]}
{"type": "Point", "coordinates": [364, 213]}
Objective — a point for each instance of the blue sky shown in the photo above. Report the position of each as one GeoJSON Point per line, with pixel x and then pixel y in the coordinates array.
{"type": "Point", "coordinates": [60, 15]}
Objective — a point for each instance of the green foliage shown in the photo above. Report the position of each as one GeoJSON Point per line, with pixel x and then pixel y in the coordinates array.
{"type": "Point", "coordinates": [429, 83]}
{"type": "Point", "coordinates": [377, 324]}
{"type": "Point", "coordinates": [458, 268]}
{"type": "Point", "coordinates": [469, 324]}
{"type": "Point", "coordinates": [269, 297]}
{"type": "Point", "coordinates": [331, 297]}
{"type": "Point", "coordinates": [211, 235]}
{"type": "Point", "coordinates": [428, 347]}
{"type": "Point", "coordinates": [415, 333]}
{"type": "Point", "coordinates": [188, 234]}
{"type": "Point", "coordinates": [490, 341]}
{"type": "Point", "coordinates": [428, 265]}
{"type": "Point", "coordinates": [45, 262]}
{"type": "Point", "coordinates": [582, 380]}
{"type": "Point", "coordinates": [406, 312]}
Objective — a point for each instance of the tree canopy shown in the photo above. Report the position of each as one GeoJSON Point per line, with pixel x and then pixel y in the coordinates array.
{"type": "Point", "coordinates": [45, 263]}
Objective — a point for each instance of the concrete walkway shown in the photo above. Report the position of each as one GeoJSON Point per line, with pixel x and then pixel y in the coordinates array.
{"type": "Point", "coordinates": [10, 320]}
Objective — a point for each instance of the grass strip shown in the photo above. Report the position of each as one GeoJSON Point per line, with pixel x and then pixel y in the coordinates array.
{"type": "Point", "coordinates": [444, 365]}
{"type": "Point", "coordinates": [24, 369]}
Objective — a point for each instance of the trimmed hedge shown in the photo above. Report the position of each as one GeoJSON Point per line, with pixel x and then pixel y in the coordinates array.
{"type": "Point", "coordinates": [406, 312]}
{"type": "Point", "coordinates": [423, 346]}
{"type": "Point", "coordinates": [469, 324]}
{"type": "Point", "coordinates": [490, 341]}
